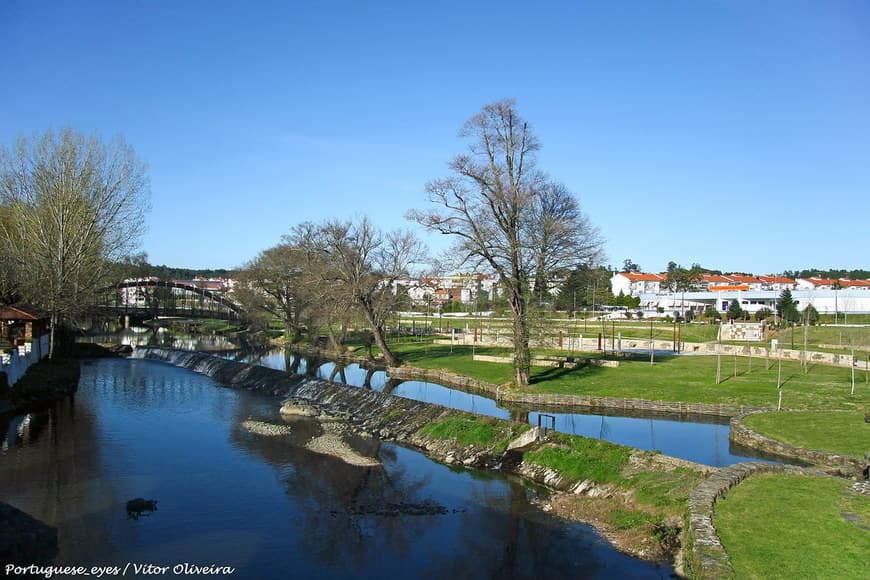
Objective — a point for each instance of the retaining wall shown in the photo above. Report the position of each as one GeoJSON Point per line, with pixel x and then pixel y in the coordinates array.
{"type": "Point", "coordinates": [503, 394]}
{"type": "Point", "coordinates": [745, 436]}
{"type": "Point", "coordinates": [564, 362]}
{"type": "Point", "coordinates": [15, 364]}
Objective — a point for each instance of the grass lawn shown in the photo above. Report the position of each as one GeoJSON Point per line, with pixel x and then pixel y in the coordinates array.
{"type": "Point", "coordinates": [677, 378]}
{"type": "Point", "coordinates": [837, 339]}
{"type": "Point", "coordinates": [842, 432]}
{"type": "Point", "coordinates": [785, 526]}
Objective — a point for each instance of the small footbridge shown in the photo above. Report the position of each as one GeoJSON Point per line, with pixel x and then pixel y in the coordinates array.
{"type": "Point", "coordinates": [152, 298]}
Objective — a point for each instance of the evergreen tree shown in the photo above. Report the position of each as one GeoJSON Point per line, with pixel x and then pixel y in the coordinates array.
{"type": "Point", "coordinates": [786, 307]}
{"type": "Point", "coordinates": [734, 310]}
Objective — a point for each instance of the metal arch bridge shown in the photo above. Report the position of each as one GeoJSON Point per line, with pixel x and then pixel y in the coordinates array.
{"type": "Point", "coordinates": [161, 298]}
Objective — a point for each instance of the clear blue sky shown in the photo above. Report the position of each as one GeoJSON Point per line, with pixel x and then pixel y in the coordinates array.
{"type": "Point", "coordinates": [734, 133]}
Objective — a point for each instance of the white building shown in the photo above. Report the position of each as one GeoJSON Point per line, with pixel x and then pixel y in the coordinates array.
{"type": "Point", "coordinates": [637, 283]}
{"type": "Point", "coordinates": [847, 301]}
{"type": "Point", "coordinates": [817, 283]}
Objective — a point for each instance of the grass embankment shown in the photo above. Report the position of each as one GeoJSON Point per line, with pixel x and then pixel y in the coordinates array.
{"type": "Point", "coordinates": [781, 526]}
{"type": "Point", "coordinates": [647, 507]}
{"type": "Point", "coordinates": [841, 432]}
{"type": "Point", "coordinates": [689, 379]}
{"type": "Point", "coordinates": [485, 432]}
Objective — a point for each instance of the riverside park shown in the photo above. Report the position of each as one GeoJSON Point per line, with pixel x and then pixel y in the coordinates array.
{"type": "Point", "coordinates": [687, 463]}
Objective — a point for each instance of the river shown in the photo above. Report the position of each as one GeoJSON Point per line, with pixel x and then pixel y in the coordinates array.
{"type": "Point", "coordinates": [701, 439]}
{"type": "Point", "coordinates": [267, 506]}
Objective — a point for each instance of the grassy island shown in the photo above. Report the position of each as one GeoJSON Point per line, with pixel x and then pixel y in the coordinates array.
{"type": "Point", "coordinates": [692, 379]}
{"type": "Point", "coordinates": [840, 432]}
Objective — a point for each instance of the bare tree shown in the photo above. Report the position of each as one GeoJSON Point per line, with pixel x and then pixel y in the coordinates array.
{"type": "Point", "coordinates": [360, 265]}
{"type": "Point", "coordinates": [281, 282]}
{"type": "Point", "coordinates": [506, 214]}
{"type": "Point", "coordinates": [562, 237]}
{"type": "Point", "coordinates": [72, 206]}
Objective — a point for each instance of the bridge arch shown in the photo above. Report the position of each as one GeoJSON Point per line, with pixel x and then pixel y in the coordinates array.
{"type": "Point", "coordinates": [166, 298]}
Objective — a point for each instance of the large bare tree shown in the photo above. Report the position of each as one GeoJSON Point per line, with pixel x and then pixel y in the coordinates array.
{"type": "Point", "coordinates": [360, 265]}
{"type": "Point", "coordinates": [72, 205]}
{"type": "Point", "coordinates": [281, 282]}
{"type": "Point", "coordinates": [506, 214]}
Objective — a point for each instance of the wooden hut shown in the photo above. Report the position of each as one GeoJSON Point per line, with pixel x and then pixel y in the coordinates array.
{"type": "Point", "coordinates": [21, 323]}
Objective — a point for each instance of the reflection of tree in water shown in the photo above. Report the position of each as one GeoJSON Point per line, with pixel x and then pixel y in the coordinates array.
{"type": "Point", "coordinates": [511, 538]}
{"type": "Point", "coordinates": [55, 475]}
{"type": "Point", "coordinates": [327, 492]}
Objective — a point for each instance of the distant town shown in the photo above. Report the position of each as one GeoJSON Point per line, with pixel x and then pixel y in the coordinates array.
{"type": "Point", "coordinates": [652, 292]}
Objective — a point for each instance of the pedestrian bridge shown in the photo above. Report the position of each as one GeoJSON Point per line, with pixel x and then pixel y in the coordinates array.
{"type": "Point", "coordinates": [153, 298]}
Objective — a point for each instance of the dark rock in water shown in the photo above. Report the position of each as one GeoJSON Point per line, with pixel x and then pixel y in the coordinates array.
{"type": "Point", "coordinates": [136, 507]}
{"type": "Point", "coordinates": [92, 350]}
{"type": "Point", "coordinates": [24, 540]}
{"type": "Point", "coordinates": [121, 349]}
{"type": "Point", "coordinates": [390, 509]}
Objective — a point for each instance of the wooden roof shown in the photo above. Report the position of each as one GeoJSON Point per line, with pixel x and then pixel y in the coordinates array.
{"type": "Point", "coordinates": [22, 312]}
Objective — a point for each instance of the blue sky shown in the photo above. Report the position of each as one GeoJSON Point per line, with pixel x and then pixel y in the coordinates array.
{"type": "Point", "coordinates": [731, 133]}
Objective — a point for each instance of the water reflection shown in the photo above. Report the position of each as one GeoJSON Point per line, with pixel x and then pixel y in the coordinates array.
{"type": "Point", "coordinates": [701, 439]}
{"type": "Point", "coordinates": [267, 505]}
{"type": "Point", "coordinates": [160, 336]}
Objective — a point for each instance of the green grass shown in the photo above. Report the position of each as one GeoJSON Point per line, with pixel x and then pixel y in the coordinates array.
{"type": "Point", "coordinates": [480, 431]}
{"type": "Point", "coordinates": [583, 458]}
{"type": "Point", "coordinates": [625, 519]}
{"type": "Point", "coordinates": [835, 338]}
{"type": "Point", "coordinates": [692, 379]}
{"type": "Point", "coordinates": [664, 489]}
{"type": "Point", "coordinates": [780, 526]}
{"type": "Point", "coordinates": [393, 415]}
{"type": "Point", "coordinates": [677, 378]}
{"type": "Point", "coordinates": [839, 432]}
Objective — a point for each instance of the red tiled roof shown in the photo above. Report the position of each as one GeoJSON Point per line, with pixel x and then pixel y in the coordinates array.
{"type": "Point", "coordinates": [643, 277]}
{"type": "Point", "coordinates": [732, 287]}
{"type": "Point", "coordinates": [742, 278]}
{"type": "Point", "coordinates": [816, 281]}
{"type": "Point", "coordinates": [714, 279]}
{"type": "Point", "coordinates": [846, 283]}
{"type": "Point", "coordinates": [773, 279]}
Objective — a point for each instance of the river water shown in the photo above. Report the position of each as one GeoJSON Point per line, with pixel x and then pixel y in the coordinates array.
{"type": "Point", "coordinates": [267, 506]}
{"type": "Point", "coordinates": [700, 439]}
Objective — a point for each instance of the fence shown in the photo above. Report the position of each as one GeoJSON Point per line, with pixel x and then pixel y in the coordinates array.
{"type": "Point", "coordinates": [16, 363]}
{"type": "Point", "coordinates": [638, 345]}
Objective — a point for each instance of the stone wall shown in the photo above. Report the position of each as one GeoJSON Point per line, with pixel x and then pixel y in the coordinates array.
{"type": "Point", "coordinates": [743, 435]}
{"type": "Point", "coordinates": [709, 558]}
{"type": "Point", "coordinates": [748, 331]}
{"type": "Point", "coordinates": [14, 365]}
{"type": "Point", "coordinates": [568, 362]}
{"type": "Point", "coordinates": [507, 395]}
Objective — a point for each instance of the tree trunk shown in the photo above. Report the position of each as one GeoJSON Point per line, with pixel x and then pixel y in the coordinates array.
{"type": "Point", "coordinates": [390, 358]}
{"type": "Point", "coordinates": [51, 337]}
{"type": "Point", "coordinates": [334, 342]}
{"type": "Point", "coordinates": [522, 355]}
{"type": "Point", "coordinates": [378, 334]}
